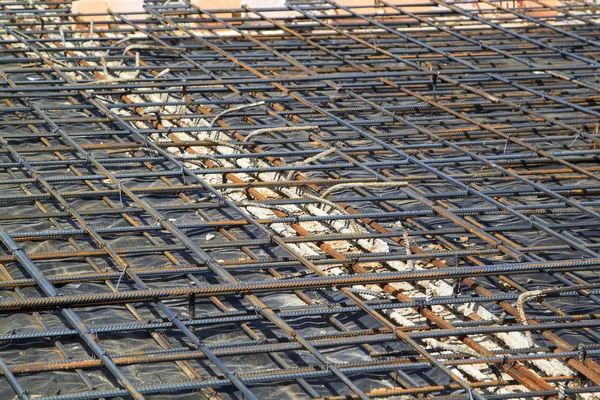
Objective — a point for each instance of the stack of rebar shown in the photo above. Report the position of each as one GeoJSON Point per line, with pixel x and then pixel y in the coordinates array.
{"type": "Point", "coordinates": [319, 201]}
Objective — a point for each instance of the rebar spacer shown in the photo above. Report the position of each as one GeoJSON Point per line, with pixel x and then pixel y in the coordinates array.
{"type": "Point", "coordinates": [258, 310]}
{"type": "Point", "coordinates": [503, 362]}
{"type": "Point", "coordinates": [562, 391]}
{"type": "Point", "coordinates": [582, 353]}
{"type": "Point", "coordinates": [501, 318]}
{"type": "Point", "coordinates": [421, 304]}
{"type": "Point", "coordinates": [456, 288]}
{"type": "Point", "coordinates": [184, 91]}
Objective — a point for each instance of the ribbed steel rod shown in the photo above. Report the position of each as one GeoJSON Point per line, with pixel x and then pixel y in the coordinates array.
{"type": "Point", "coordinates": [411, 172]}
{"type": "Point", "coordinates": [213, 290]}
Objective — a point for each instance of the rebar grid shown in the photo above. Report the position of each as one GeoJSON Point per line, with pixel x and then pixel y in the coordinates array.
{"type": "Point", "coordinates": [316, 201]}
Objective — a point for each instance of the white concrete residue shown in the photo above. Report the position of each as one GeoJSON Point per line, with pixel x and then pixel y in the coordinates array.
{"type": "Point", "coordinates": [512, 340]}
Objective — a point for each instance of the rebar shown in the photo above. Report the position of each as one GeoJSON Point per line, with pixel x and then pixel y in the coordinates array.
{"type": "Point", "coordinates": [318, 200]}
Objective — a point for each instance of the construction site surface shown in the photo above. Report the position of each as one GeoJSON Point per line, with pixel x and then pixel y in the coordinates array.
{"type": "Point", "coordinates": [299, 200]}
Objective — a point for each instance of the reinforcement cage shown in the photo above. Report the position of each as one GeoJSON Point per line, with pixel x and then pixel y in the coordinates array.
{"type": "Point", "coordinates": [318, 201]}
